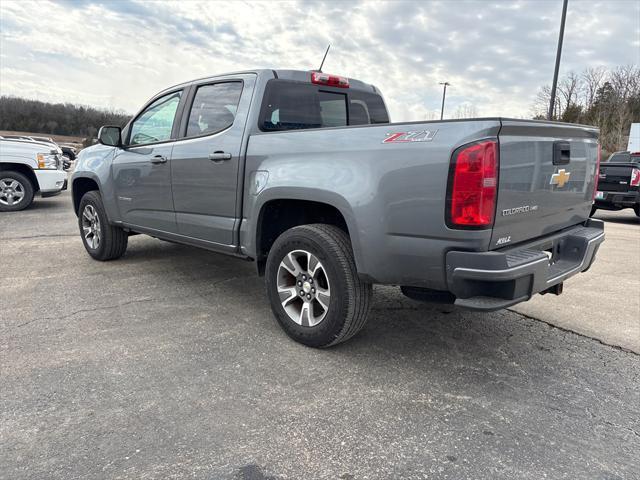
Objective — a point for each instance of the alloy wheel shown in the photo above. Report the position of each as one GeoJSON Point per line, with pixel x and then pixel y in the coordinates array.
{"type": "Point", "coordinates": [91, 226]}
{"type": "Point", "coordinates": [303, 288]}
{"type": "Point", "coordinates": [11, 191]}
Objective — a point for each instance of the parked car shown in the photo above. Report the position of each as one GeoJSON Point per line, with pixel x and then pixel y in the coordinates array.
{"type": "Point", "coordinates": [68, 151]}
{"type": "Point", "coordinates": [302, 173]}
{"type": "Point", "coordinates": [28, 168]}
{"type": "Point", "coordinates": [619, 183]}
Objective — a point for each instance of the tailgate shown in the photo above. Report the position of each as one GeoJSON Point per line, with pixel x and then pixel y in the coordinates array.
{"type": "Point", "coordinates": [615, 177]}
{"type": "Point", "coordinates": [546, 179]}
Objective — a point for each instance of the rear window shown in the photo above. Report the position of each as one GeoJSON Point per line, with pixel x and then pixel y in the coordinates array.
{"type": "Point", "coordinates": [290, 105]}
{"type": "Point", "coordinates": [620, 157]}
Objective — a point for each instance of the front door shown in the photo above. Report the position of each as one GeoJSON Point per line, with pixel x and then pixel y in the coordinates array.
{"type": "Point", "coordinates": [206, 158]}
{"type": "Point", "coordinates": [142, 168]}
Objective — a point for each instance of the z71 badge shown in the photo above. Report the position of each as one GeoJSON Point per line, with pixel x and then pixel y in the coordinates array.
{"type": "Point", "coordinates": [408, 137]}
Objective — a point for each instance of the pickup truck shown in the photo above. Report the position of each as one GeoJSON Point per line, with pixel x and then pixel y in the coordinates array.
{"type": "Point", "coordinates": [28, 168]}
{"type": "Point", "coordinates": [619, 183]}
{"type": "Point", "coordinates": [302, 173]}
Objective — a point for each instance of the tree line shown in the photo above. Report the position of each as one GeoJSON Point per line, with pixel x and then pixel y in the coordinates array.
{"type": "Point", "coordinates": [20, 114]}
{"type": "Point", "coordinates": [606, 98]}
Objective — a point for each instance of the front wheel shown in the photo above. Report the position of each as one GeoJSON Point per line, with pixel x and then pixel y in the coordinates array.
{"type": "Point", "coordinates": [313, 286]}
{"type": "Point", "coordinates": [16, 191]}
{"type": "Point", "coordinates": [636, 209]}
{"type": "Point", "coordinates": [101, 240]}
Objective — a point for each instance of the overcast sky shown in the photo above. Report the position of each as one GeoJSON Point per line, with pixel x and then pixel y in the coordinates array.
{"type": "Point", "coordinates": [496, 54]}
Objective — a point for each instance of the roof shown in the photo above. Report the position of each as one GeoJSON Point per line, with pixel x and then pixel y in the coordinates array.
{"type": "Point", "coordinates": [295, 75]}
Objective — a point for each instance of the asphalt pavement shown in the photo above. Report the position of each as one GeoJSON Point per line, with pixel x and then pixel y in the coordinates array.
{"type": "Point", "coordinates": [168, 364]}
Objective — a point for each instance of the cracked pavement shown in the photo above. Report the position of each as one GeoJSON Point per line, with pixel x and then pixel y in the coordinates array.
{"type": "Point", "coordinates": [168, 364]}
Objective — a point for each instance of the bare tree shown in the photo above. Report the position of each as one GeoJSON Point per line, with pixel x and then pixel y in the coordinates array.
{"type": "Point", "coordinates": [541, 103]}
{"type": "Point", "coordinates": [466, 110]}
{"type": "Point", "coordinates": [625, 81]}
{"type": "Point", "coordinates": [608, 99]}
{"type": "Point", "coordinates": [569, 88]}
{"type": "Point", "coordinates": [592, 79]}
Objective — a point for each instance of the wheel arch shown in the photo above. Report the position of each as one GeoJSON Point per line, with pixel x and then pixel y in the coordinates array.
{"type": "Point", "coordinates": [278, 213]}
{"type": "Point", "coordinates": [80, 186]}
{"type": "Point", "coordinates": [26, 170]}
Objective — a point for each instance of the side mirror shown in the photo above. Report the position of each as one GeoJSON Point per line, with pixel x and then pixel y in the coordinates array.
{"type": "Point", "coordinates": [110, 135]}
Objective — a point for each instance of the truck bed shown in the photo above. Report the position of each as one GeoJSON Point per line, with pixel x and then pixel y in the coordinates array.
{"type": "Point", "coordinates": [393, 194]}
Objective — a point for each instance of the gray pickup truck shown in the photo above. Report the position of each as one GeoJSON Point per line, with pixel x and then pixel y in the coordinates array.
{"type": "Point", "coordinates": [302, 173]}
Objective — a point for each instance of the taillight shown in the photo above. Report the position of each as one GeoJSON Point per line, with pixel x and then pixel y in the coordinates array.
{"type": "Point", "coordinates": [597, 174]}
{"type": "Point", "coordinates": [320, 78]}
{"type": "Point", "coordinates": [473, 185]}
{"type": "Point", "coordinates": [635, 178]}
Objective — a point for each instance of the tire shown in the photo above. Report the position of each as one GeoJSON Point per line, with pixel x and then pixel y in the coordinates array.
{"type": "Point", "coordinates": [339, 307]}
{"type": "Point", "coordinates": [593, 210]}
{"type": "Point", "coordinates": [636, 209]}
{"type": "Point", "coordinates": [12, 185]}
{"type": "Point", "coordinates": [111, 240]}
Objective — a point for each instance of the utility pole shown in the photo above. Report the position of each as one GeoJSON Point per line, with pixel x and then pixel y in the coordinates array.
{"type": "Point", "coordinates": [444, 94]}
{"type": "Point", "coordinates": [558, 55]}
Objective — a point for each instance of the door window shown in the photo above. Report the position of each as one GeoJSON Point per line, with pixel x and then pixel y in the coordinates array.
{"type": "Point", "coordinates": [156, 122]}
{"type": "Point", "coordinates": [214, 108]}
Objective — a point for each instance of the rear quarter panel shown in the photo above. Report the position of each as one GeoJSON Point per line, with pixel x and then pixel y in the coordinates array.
{"type": "Point", "coordinates": [392, 195]}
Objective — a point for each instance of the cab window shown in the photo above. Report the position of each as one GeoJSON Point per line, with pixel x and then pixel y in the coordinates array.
{"type": "Point", "coordinates": [214, 108]}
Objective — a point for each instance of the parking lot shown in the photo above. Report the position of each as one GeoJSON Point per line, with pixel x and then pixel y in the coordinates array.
{"type": "Point", "coordinates": [168, 364]}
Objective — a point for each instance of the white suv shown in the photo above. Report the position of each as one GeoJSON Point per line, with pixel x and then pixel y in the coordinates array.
{"type": "Point", "coordinates": [27, 168]}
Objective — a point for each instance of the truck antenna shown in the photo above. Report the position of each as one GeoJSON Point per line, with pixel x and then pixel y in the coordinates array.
{"type": "Point", "coordinates": [323, 58]}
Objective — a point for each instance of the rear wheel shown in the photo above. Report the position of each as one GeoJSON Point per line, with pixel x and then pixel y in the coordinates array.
{"type": "Point", "coordinates": [16, 191]}
{"type": "Point", "coordinates": [313, 286]}
{"type": "Point", "coordinates": [101, 240]}
{"type": "Point", "coordinates": [636, 209]}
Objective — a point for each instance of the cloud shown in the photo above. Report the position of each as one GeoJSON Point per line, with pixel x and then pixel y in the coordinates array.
{"type": "Point", "coordinates": [496, 55]}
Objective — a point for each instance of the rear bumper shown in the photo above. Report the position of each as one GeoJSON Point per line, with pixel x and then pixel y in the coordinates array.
{"type": "Point", "coordinates": [617, 200]}
{"type": "Point", "coordinates": [494, 280]}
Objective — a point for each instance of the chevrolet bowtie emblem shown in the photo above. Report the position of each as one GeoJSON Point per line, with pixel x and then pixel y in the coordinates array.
{"type": "Point", "coordinates": [560, 178]}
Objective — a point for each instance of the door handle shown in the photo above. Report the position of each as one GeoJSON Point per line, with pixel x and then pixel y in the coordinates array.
{"type": "Point", "coordinates": [159, 159]}
{"type": "Point", "coordinates": [219, 156]}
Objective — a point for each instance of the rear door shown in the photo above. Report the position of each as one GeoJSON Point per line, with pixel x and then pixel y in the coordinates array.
{"type": "Point", "coordinates": [546, 179]}
{"type": "Point", "coordinates": [206, 159]}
